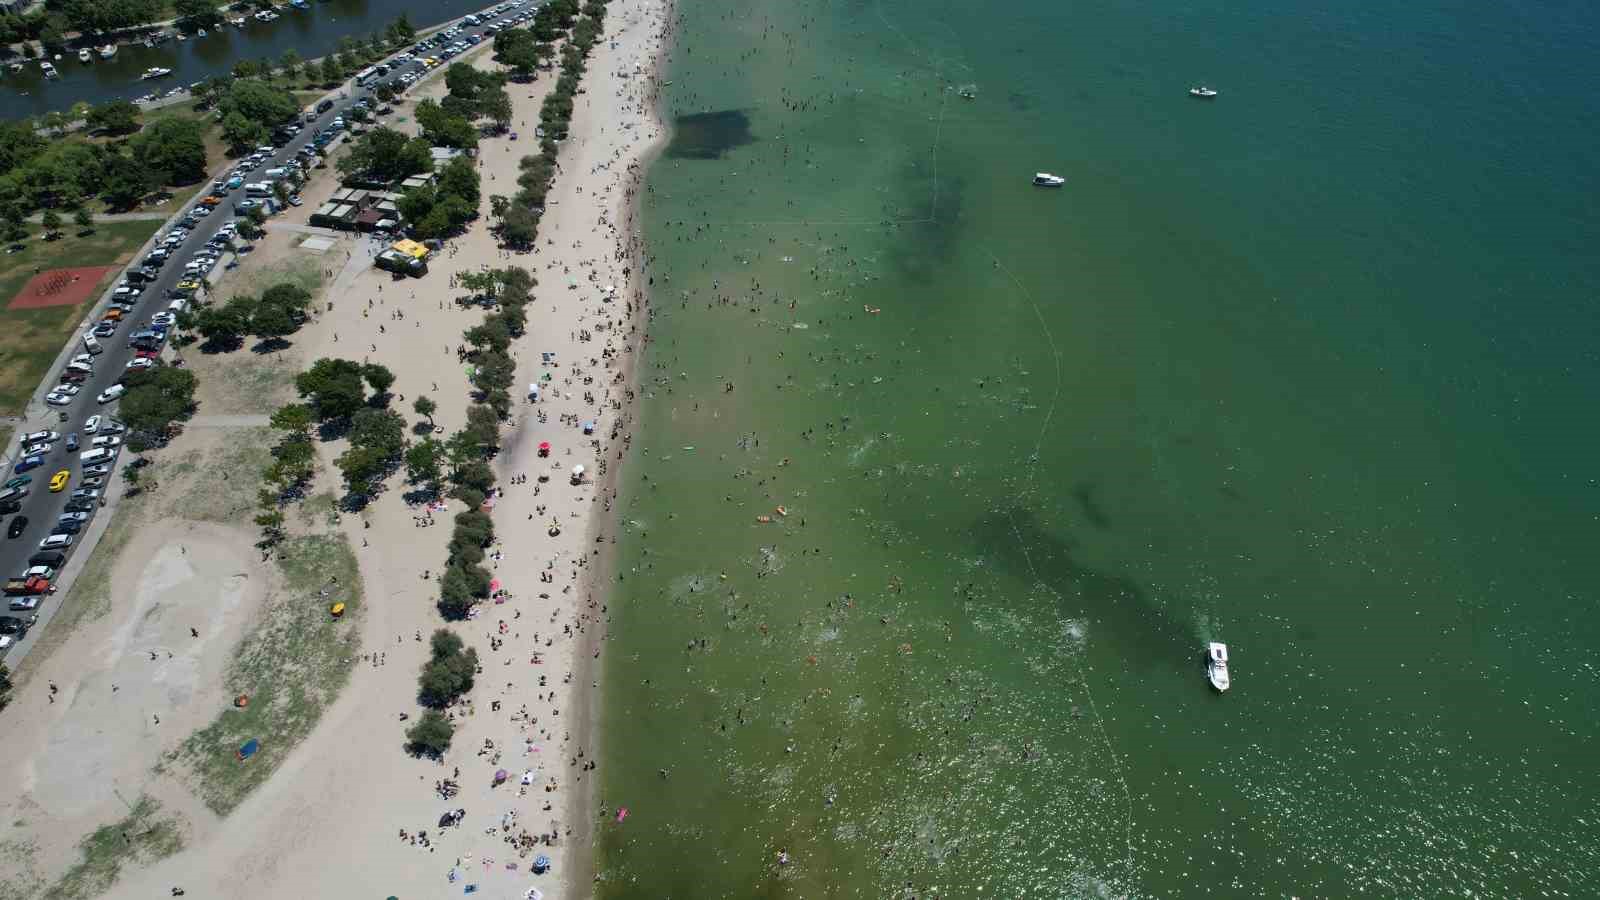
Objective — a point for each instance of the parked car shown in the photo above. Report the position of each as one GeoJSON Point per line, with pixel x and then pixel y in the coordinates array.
{"type": "Point", "coordinates": [111, 393]}
{"type": "Point", "coordinates": [34, 437]}
{"type": "Point", "coordinates": [72, 442]}
{"type": "Point", "coordinates": [56, 542]}
{"type": "Point", "coordinates": [106, 440]}
{"type": "Point", "coordinates": [17, 527]}
{"type": "Point", "coordinates": [58, 481]}
{"type": "Point", "coordinates": [28, 462]}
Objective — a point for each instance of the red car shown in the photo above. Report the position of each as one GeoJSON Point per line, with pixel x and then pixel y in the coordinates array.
{"type": "Point", "coordinates": [147, 354]}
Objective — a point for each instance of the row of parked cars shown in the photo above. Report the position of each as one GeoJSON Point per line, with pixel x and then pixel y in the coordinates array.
{"type": "Point", "coordinates": [25, 591]}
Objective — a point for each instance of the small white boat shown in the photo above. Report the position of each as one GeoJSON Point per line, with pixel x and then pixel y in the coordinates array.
{"type": "Point", "coordinates": [1217, 665]}
{"type": "Point", "coordinates": [201, 33]}
{"type": "Point", "coordinates": [49, 70]}
{"type": "Point", "coordinates": [1202, 92]}
{"type": "Point", "coordinates": [84, 56]}
{"type": "Point", "coordinates": [108, 51]}
{"type": "Point", "coordinates": [156, 72]}
{"type": "Point", "coordinates": [1045, 179]}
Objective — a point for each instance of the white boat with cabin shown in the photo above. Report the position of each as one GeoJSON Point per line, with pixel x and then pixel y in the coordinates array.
{"type": "Point", "coordinates": [84, 56]}
{"type": "Point", "coordinates": [1217, 665]}
{"type": "Point", "coordinates": [1203, 92]}
{"type": "Point", "coordinates": [108, 51]}
{"type": "Point", "coordinates": [156, 72]}
{"type": "Point", "coordinates": [1045, 179]}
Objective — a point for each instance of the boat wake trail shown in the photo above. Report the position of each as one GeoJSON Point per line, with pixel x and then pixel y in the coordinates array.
{"type": "Point", "coordinates": [1028, 489]}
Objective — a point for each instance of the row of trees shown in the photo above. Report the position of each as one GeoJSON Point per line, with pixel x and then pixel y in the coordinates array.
{"type": "Point", "coordinates": [447, 675]}
{"type": "Point", "coordinates": [276, 314]}
{"type": "Point", "coordinates": [518, 216]}
{"type": "Point", "coordinates": [465, 581]}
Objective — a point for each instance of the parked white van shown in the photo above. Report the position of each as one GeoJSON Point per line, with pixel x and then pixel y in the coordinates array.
{"type": "Point", "coordinates": [96, 456]}
{"type": "Point", "coordinates": [91, 344]}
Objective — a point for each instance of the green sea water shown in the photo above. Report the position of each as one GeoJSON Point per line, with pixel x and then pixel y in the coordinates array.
{"type": "Point", "coordinates": [1308, 369]}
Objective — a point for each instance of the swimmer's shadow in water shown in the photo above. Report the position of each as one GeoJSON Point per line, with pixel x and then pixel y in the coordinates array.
{"type": "Point", "coordinates": [709, 135]}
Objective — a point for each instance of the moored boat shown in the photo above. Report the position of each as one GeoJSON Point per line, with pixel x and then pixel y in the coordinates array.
{"type": "Point", "coordinates": [84, 56]}
{"type": "Point", "coordinates": [49, 70]}
{"type": "Point", "coordinates": [155, 72]}
{"type": "Point", "coordinates": [1045, 179]}
{"type": "Point", "coordinates": [1202, 92]}
{"type": "Point", "coordinates": [108, 51]}
{"type": "Point", "coordinates": [1217, 665]}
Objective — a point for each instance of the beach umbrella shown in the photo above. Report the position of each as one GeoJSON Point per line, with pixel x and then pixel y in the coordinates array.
{"type": "Point", "coordinates": [494, 584]}
{"type": "Point", "coordinates": [541, 864]}
{"type": "Point", "coordinates": [588, 427]}
{"type": "Point", "coordinates": [500, 775]}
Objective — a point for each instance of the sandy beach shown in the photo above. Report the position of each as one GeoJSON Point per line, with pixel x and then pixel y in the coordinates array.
{"type": "Point", "coordinates": [350, 813]}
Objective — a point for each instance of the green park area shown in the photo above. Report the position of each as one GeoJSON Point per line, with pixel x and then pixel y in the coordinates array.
{"type": "Point", "coordinates": [30, 339]}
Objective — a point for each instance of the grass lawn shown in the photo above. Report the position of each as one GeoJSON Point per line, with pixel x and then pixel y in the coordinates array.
{"type": "Point", "coordinates": [143, 837]}
{"type": "Point", "coordinates": [291, 664]}
{"type": "Point", "coordinates": [31, 338]}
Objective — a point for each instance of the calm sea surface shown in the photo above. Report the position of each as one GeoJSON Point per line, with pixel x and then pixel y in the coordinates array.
{"type": "Point", "coordinates": [312, 33]}
{"type": "Point", "coordinates": [1308, 369]}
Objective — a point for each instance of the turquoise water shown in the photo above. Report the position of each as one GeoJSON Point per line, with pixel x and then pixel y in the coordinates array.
{"type": "Point", "coordinates": [1306, 369]}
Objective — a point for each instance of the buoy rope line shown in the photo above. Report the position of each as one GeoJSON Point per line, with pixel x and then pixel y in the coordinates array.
{"type": "Point", "coordinates": [1027, 489]}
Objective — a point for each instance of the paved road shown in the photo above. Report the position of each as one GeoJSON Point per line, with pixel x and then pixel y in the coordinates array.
{"type": "Point", "coordinates": [41, 508]}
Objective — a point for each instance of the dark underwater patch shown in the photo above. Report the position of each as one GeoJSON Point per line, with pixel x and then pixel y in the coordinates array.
{"type": "Point", "coordinates": [709, 135]}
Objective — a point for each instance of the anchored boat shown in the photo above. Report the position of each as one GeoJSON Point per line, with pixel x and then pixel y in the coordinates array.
{"type": "Point", "coordinates": [1045, 179]}
{"type": "Point", "coordinates": [1217, 665]}
{"type": "Point", "coordinates": [1203, 92]}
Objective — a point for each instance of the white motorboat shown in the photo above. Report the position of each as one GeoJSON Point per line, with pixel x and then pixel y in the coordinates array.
{"type": "Point", "coordinates": [49, 70]}
{"type": "Point", "coordinates": [1217, 665]}
{"type": "Point", "coordinates": [1202, 92]}
{"type": "Point", "coordinates": [84, 56]}
{"type": "Point", "coordinates": [156, 72]}
{"type": "Point", "coordinates": [1045, 179]}
{"type": "Point", "coordinates": [108, 51]}
{"type": "Point", "coordinates": [201, 33]}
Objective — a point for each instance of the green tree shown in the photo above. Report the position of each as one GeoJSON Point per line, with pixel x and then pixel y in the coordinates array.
{"type": "Point", "coordinates": [424, 463]}
{"type": "Point", "coordinates": [223, 326]}
{"type": "Point", "coordinates": [290, 63]}
{"type": "Point", "coordinates": [124, 182]}
{"type": "Point", "coordinates": [197, 12]}
{"type": "Point", "coordinates": [424, 407]}
{"type": "Point", "coordinates": [386, 155]}
{"type": "Point", "coordinates": [156, 398]}
{"type": "Point", "coordinates": [363, 468]}
{"type": "Point", "coordinates": [51, 220]}
{"type": "Point", "coordinates": [5, 686]}
{"type": "Point", "coordinates": [484, 426]}
{"type": "Point", "coordinates": [290, 296]}
{"type": "Point", "coordinates": [381, 429]}
{"type": "Point", "coordinates": [246, 68]}
{"type": "Point", "coordinates": [268, 105]}
{"type": "Point", "coordinates": [441, 128]}
{"type": "Point", "coordinates": [331, 70]}
{"type": "Point", "coordinates": [242, 133]}
{"type": "Point", "coordinates": [455, 594]}
{"type": "Point", "coordinates": [402, 29]}
{"type": "Point", "coordinates": [115, 117]}
{"type": "Point", "coordinates": [379, 377]}
{"type": "Point", "coordinates": [431, 735]}
{"type": "Point", "coordinates": [334, 388]}
{"type": "Point", "coordinates": [295, 420]}
{"type": "Point", "coordinates": [83, 219]}
{"type": "Point", "coordinates": [171, 150]}
{"type": "Point", "coordinates": [272, 323]}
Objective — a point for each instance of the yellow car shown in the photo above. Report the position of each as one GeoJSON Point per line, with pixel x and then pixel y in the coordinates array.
{"type": "Point", "coordinates": [189, 285]}
{"type": "Point", "coordinates": [430, 62]}
{"type": "Point", "coordinates": [58, 481]}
